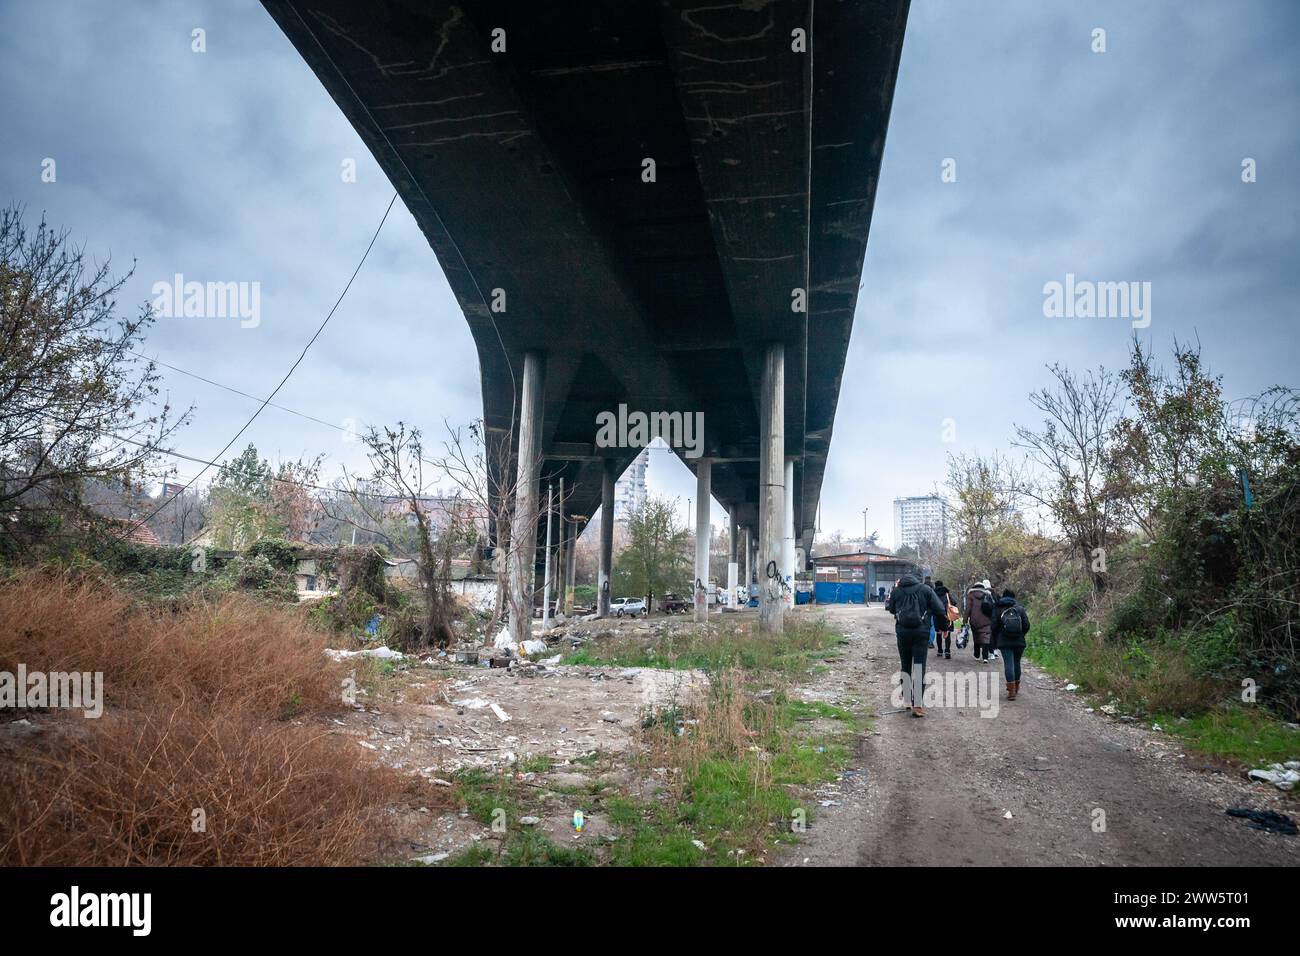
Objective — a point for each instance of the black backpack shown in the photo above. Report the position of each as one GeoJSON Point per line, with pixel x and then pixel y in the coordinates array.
{"type": "Point", "coordinates": [911, 610]}
{"type": "Point", "coordinates": [1012, 626]}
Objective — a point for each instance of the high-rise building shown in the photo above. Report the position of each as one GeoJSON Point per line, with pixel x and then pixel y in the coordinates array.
{"type": "Point", "coordinates": [920, 518]}
{"type": "Point", "coordinates": [630, 490]}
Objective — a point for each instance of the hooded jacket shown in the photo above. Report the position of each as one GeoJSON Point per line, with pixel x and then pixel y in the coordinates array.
{"type": "Point", "coordinates": [908, 591]}
{"type": "Point", "coordinates": [973, 611]}
{"type": "Point", "coordinates": [1003, 605]}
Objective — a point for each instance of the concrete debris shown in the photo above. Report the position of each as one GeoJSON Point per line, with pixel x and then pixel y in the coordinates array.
{"type": "Point", "coordinates": [429, 859]}
{"type": "Point", "coordinates": [501, 714]}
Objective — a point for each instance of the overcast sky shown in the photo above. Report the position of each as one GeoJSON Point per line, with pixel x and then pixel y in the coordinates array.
{"type": "Point", "coordinates": [1117, 166]}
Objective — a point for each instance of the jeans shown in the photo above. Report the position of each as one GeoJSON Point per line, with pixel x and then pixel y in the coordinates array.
{"type": "Point", "coordinates": [1011, 662]}
{"type": "Point", "coordinates": [913, 651]}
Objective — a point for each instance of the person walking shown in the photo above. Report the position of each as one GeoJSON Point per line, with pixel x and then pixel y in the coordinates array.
{"type": "Point", "coordinates": [1010, 625]}
{"type": "Point", "coordinates": [914, 606]}
{"type": "Point", "coordinates": [943, 623]}
{"type": "Point", "coordinates": [978, 612]}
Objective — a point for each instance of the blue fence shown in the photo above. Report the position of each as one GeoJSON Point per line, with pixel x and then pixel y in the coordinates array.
{"type": "Point", "coordinates": [833, 592]}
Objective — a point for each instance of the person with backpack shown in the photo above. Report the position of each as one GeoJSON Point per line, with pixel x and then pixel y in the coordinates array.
{"type": "Point", "coordinates": [943, 623]}
{"type": "Point", "coordinates": [1010, 625]}
{"type": "Point", "coordinates": [979, 615]}
{"type": "Point", "coordinates": [914, 606]}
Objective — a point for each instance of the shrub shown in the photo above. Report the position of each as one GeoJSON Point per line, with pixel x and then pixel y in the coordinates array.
{"type": "Point", "coordinates": [197, 703]}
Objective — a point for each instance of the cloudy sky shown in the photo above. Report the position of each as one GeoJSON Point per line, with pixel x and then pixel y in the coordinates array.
{"type": "Point", "coordinates": [1117, 166]}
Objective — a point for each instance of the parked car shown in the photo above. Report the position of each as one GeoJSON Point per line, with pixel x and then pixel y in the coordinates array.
{"type": "Point", "coordinates": [670, 603]}
{"type": "Point", "coordinates": [629, 606]}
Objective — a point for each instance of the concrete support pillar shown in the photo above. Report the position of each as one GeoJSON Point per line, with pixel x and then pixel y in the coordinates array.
{"type": "Point", "coordinates": [771, 498]}
{"type": "Point", "coordinates": [749, 554]}
{"type": "Point", "coordinates": [546, 587]}
{"type": "Point", "coordinates": [733, 567]}
{"type": "Point", "coordinates": [605, 572]}
{"type": "Point", "coordinates": [703, 481]}
{"type": "Point", "coordinates": [571, 565]}
{"type": "Point", "coordinates": [523, 524]}
{"type": "Point", "coordinates": [787, 538]}
{"type": "Point", "coordinates": [561, 556]}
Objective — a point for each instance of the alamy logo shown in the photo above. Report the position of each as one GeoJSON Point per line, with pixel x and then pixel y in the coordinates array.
{"type": "Point", "coordinates": [209, 300]}
{"type": "Point", "coordinates": [1083, 299]}
{"type": "Point", "coordinates": [626, 429]}
{"type": "Point", "coordinates": [82, 691]}
{"type": "Point", "coordinates": [103, 909]}
{"type": "Point", "coordinates": [957, 689]}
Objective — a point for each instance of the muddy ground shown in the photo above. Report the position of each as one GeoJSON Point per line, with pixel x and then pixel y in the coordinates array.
{"type": "Point", "coordinates": [936, 790]}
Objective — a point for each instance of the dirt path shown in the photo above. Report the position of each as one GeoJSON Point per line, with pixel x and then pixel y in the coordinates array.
{"type": "Point", "coordinates": [935, 791]}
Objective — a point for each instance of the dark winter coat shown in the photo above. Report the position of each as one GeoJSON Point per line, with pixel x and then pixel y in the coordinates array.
{"type": "Point", "coordinates": [910, 590]}
{"type": "Point", "coordinates": [1000, 641]}
{"type": "Point", "coordinates": [981, 626]}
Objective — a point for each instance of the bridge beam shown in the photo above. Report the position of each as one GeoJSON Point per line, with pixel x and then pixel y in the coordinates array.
{"type": "Point", "coordinates": [771, 498]}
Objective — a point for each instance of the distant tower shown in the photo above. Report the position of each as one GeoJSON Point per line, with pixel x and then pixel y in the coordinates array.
{"type": "Point", "coordinates": [630, 490]}
{"type": "Point", "coordinates": [920, 518]}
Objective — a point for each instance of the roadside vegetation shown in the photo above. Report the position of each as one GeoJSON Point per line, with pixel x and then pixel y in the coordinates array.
{"type": "Point", "coordinates": [1169, 589]}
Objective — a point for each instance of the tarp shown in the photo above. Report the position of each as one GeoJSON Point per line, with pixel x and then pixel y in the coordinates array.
{"type": "Point", "coordinates": [835, 592]}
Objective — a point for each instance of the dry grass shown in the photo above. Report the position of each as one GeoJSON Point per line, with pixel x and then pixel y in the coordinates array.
{"type": "Point", "coordinates": [723, 723]}
{"type": "Point", "coordinates": [196, 719]}
{"type": "Point", "coordinates": [237, 653]}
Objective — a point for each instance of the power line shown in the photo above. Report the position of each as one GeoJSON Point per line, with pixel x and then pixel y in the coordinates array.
{"type": "Point", "coordinates": [292, 368]}
{"type": "Point", "coordinates": [228, 388]}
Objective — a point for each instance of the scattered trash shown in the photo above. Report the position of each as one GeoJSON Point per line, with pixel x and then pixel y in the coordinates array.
{"type": "Point", "coordinates": [530, 821]}
{"type": "Point", "coordinates": [372, 625]}
{"type": "Point", "coordinates": [1071, 686]}
{"type": "Point", "coordinates": [501, 714]}
{"type": "Point", "coordinates": [473, 703]}
{"type": "Point", "coordinates": [699, 845]}
{"type": "Point", "coordinates": [383, 653]}
{"type": "Point", "coordinates": [1007, 815]}
{"type": "Point", "coordinates": [579, 821]}
{"type": "Point", "coordinates": [1267, 820]}
{"type": "Point", "coordinates": [532, 647]}
{"type": "Point", "coordinates": [1109, 709]}
{"type": "Point", "coordinates": [1278, 775]}
{"type": "Point", "coordinates": [551, 661]}
{"type": "Point", "coordinates": [431, 858]}
{"type": "Point", "coordinates": [504, 642]}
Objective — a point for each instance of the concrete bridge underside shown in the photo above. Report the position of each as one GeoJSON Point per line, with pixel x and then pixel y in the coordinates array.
{"type": "Point", "coordinates": [525, 168]}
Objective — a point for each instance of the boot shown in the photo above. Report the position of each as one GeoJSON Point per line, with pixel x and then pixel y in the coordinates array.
{"type": "Point", "coordinates": [1013, 688]}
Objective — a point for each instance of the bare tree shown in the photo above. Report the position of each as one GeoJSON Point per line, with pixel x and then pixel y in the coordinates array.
{"type": "Point", "coordinates": [1073, 446]}
{"type": "Point", "coordinates": [75, 404]}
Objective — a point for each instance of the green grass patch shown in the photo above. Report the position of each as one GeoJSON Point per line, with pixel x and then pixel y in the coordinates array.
{"type": "Point", "coordinates": [715, 648]}
{"type": "Point", "coordinates": [1251, 737]}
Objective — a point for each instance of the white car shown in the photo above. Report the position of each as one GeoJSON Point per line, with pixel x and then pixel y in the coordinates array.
{"type": "Point", "coordinates": [628, 606]}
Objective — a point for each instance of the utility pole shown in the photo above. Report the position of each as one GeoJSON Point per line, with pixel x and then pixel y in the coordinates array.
{"type": "Point", "coordinates": [864, 528]}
